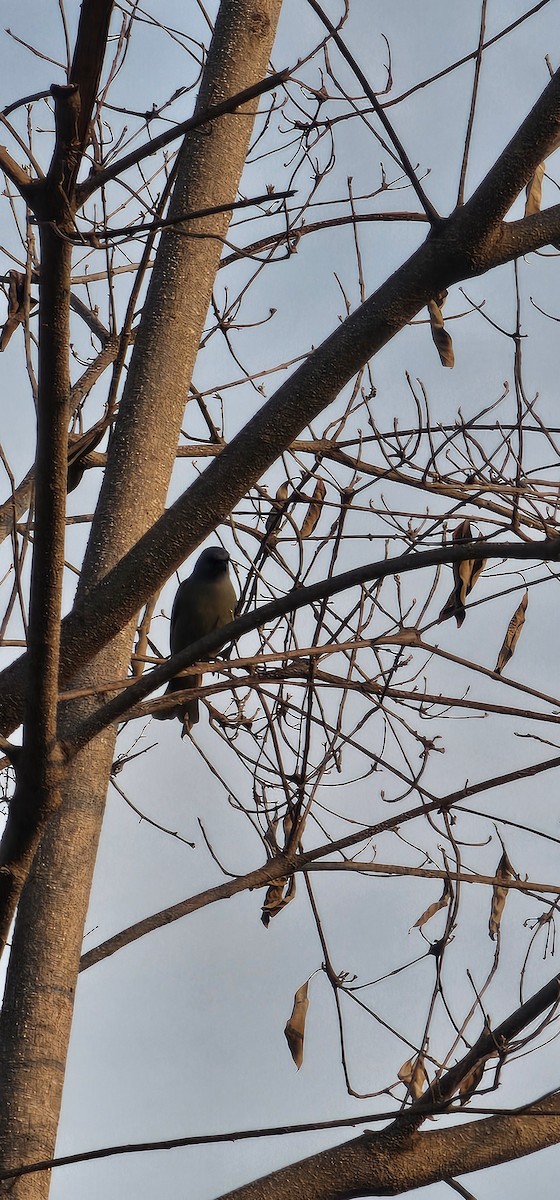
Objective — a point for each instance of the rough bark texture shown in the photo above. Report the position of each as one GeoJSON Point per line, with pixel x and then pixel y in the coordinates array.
{"type": "Point", "coordinates": [47, 940]}
{"type": "Point", "coordinates": [41, 983]}
{"type": "Point", "coordinates": [143, 448]}
{"type": "Point", "coordinates": [396, 1161]}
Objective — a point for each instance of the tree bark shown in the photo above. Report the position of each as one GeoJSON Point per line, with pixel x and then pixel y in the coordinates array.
{"type": "Point", "coordinates": [43, 966]}
{"type": "Point", "coordinates": [401, 1160]}
{"type": "Point", "coordinates": [47, 939]}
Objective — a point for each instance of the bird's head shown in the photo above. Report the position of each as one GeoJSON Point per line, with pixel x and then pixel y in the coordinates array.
{"type": "Point", "coordinates": [212, 563]}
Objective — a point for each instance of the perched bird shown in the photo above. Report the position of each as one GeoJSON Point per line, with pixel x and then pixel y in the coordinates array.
{"type": "Point", "coordinates": [204, 602]}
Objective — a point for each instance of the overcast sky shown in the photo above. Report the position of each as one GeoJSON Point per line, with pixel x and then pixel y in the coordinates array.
{"type": "Point", "coordinates": [182, 1032]}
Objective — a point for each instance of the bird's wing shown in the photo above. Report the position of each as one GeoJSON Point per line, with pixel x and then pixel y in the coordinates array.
{"type": "Point", "coordinates": [200, 606]}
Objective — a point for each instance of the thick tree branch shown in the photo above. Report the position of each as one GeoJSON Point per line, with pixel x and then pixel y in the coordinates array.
{"type": "Point", "coordinates": [530, 145]}
{"type": "Point", "coordinates": [75, 103]}
{"type": "Point", "coordinates": [528, 234]}
{"type": "Point", "coordinates": [397, 1160]}
{"type": "Point", "coordinates": [87, 61]}
{"type": "Point", "coordinates": [16, 174]}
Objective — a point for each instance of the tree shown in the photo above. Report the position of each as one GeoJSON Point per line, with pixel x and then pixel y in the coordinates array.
{"type": "Point", "coordinates": [353, 672]}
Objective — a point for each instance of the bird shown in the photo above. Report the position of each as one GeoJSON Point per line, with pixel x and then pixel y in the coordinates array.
{"type": "Point", "coordinates": [204, 602]}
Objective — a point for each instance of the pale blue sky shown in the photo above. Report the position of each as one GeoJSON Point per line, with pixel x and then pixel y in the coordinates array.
{"type": "Point", "coordinates": [182, 1033]}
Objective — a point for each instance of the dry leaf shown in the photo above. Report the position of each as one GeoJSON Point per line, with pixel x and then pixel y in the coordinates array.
{"type": "Point", "coordinates": [469, 1084]}
{"type": "Point", "coordinates": [278, 895]}
{"type": "Point", "coordinates": [294, 1031]}
{"type": "Point", "coordinates": [533, 192]}
{"type": "Point", "coordinates": [79, 446]}
{"type": "Point", "coordinates": [513, 630]}
{"type": "Point", "coordinates": [414, 1075]}
{"type": "Point", "coordinates": [465, 575]}
{"type": "Point", "coordinates": [142, 638]}
{"type": "Point", "coordinates": [278, 504]}
{"type": "Point", "coordinates": [315, 509]}
{"type": "Point", "coordinates": [16, 306]}
{"type": "Point", "coordinates": [504, 871]}
{"type": "Point", "coordinates": [441, 338]}
{"type": "Point", "coordinates": [432, 909]}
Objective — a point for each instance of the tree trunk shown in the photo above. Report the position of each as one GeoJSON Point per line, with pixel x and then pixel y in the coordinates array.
{"type": "Point", "coordinates": [49, 927]}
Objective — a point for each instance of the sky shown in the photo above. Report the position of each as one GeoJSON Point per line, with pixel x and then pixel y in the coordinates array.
{"type": "Point", "coordinates": [181, 1033]}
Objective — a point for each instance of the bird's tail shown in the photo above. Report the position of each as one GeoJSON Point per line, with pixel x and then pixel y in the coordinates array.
{"type": "Point", "coordinates": [188, 712]}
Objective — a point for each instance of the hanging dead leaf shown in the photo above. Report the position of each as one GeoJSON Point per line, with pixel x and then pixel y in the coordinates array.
{"type": "Point", "coordinates": [278, 895]}
{"type": "Point", "coordinates": [469, 1084]}
{"type": "Point", "coordinates": [413, 1073]}
{"type": "Point", "coordinates": [513, 630]}
{"type": "Point", "coordinates": [441, 338]}
{"type": "Point", "coordinates": [504, 871]}
{"type": "Point", "coordinates": [142, 638]}
{"type": "Point", "coordinates": [533, 191]}
{"type": "Point", "coordinates": [79, 446]}
{"type": "Point", "coordinates": [272, 527]}
{"type": "Point", "coordinates": [315, 509]}
{"type": "Point", "coordinates": [16, 306]}
{"type": "Point", "coordinates": [432, 909]}
{"type": "Point", "coordinates": [294, 1031]}
{"type": "Point", "coordinates": [465, 575]}
{"type": "Point", "coordinates": [287, 826]}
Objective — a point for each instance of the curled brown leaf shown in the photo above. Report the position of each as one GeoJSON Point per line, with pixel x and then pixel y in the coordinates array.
{"type": "Point", "coordinates": [469, 1084]}
{"type": "Point", "coordinates": [512, 635]}
{"type": "Point", "coordinates": [506, 872]}
{"type": "Point", "coordinates": [413, 1073]}
{"type": "Point", "coordinates": [294, 1031]}
{"type": "Point", "coordinates": [17, 283]}
{"type": "Point", "coordinates": [273, 520]}
{"type": "Point", "coordinates": [315, 509]}
{"type": "Point", "coordinates": [465, 575]}
{"type": "Point", "coordinates": [432, 909]}
{"type": "Point", "coordinates": [278, 895]}
{"type": "Point", "coordinates": [441, 338]}
{"type": "Point", "coordinates": [533, 191]}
